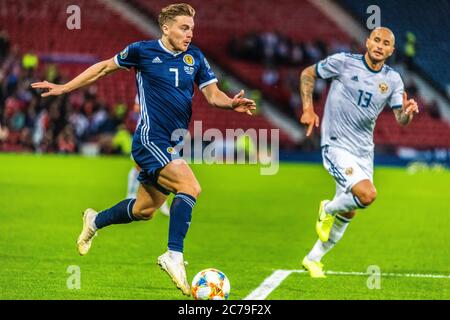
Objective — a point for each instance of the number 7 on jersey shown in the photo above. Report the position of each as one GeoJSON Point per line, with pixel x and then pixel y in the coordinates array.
{"type": "Point", "coordinates": [176, 75]}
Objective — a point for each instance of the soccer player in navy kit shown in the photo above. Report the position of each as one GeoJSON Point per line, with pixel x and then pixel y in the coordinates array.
{"type": "Point", "coordinates": [166, 70]}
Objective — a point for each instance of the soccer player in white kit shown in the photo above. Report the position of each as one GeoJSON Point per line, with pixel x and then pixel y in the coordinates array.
{"type": "Point", "coordinates": [361, 87]}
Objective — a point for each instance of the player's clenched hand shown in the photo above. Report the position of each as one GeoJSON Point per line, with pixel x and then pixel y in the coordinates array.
{"type": "Point", "coordinates": [310, 119]}
{"type": "Point", "coordinates": [241, 104]}
{"type": "Point", "coordinates": [409, 106]}
{"type": "Point", "coordinates": [52, 89]}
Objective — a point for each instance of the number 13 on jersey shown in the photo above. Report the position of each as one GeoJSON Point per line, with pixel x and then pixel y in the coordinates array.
{"type": "Point", "coordinates": [366, 100]}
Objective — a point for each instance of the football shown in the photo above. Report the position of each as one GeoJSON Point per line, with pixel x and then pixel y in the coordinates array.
{"type": "Point", "coordinates": [210, 284]}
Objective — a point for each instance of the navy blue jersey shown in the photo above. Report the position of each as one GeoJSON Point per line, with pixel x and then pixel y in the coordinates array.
{"type": "Point", "coordinates": [165, 83]}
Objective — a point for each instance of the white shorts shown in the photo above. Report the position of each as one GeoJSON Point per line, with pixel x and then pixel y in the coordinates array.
{"type": "Point", "coordinates": [346, 168]}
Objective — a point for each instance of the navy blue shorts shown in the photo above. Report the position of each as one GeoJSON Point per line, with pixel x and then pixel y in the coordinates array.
{"type": "Point", "coordinates": [152, 156]}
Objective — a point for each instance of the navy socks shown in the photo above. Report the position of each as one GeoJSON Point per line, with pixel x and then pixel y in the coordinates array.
{"type": "Point", "coordinates": [180, 220]}
{"type": "Point", "coordinates": [119, 214]}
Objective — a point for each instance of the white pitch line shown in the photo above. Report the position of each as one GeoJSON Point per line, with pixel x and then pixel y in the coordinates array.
{"type": "Point", "coordinates": [275, 279]}
{"type": "Point", "coordinates": [268, 285]}
{"type": "Point", "coordinates": [406, 275]}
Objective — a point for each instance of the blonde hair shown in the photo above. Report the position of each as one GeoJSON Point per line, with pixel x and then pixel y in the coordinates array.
{"type": "Point", "coordinates": [172, 11]}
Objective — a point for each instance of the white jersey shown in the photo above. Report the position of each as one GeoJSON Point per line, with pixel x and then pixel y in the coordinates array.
{"type": "Point", "coordinates": [356, 97]}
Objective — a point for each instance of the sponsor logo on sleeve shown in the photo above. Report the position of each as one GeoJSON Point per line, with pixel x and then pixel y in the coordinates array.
{"type": "Point", "coordinates": [124, 53]}
{"type": "Point", "coordinates": [206, 63]}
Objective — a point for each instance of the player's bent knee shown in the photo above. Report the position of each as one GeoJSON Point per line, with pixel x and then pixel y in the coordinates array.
{"type": "Point", "coordinates": [368, 197]}
{"type": "Point", "coordinates": [197, 189]}
{"type": "Point", "coordinates": [192, 189]}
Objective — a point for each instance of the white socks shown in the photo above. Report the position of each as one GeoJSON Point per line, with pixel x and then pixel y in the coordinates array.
{"type": "Point", "coordinates": [133, 183]}
{"type": "Point", "coordinates": [337, 231]}
{"type": "Point", "coordinates": [93, 225]}
{"type": "Point", "coordinates": [345, 202]}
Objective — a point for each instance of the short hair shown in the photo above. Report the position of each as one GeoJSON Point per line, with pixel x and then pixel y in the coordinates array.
{"type": "Point", "coordinates": [172, 11]}
{"type": "Point", "coordinates": [385, 29]}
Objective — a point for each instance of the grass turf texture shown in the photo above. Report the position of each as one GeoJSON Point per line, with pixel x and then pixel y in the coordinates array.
{"type": "Point", "coordinates": [244, 224]}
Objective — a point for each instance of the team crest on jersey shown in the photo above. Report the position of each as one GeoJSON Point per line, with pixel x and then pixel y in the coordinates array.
{"type": "Point", "coordinates": [349, 171]}
{"type": "Point", "coordinates": [189, 60]}
{"type": "Point", "coordinates": [383, 87]}
{"type": "Point", "coordinates": [124, 53]}
{"type": "Point", "coordinates": [171, 150]}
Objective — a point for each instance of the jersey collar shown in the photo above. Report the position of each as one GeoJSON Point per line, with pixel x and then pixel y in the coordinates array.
{"type": "Point", "coordinates": [369, 68]}
{"type": "Point", "coordinates": [167, 50]}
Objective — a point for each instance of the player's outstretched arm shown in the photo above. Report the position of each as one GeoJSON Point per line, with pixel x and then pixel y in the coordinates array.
{"type": "Point", "coordinates": [405, 114]}
{"type": "Point", "coordinates": [86, 78]}
{"type": "Point", "coordinates": [219, 99]}
{"type": "Point", "coordinates": [307, 80]}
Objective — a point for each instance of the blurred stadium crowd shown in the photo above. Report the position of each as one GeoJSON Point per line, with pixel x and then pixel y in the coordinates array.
{"type": "Point", "coordinates": [57, 124]}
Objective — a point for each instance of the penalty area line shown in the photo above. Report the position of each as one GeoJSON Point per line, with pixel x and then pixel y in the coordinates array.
{"type": "Point", "coordinates": [278, 276]}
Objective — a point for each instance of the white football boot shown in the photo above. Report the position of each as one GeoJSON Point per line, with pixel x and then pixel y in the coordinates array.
{"type": "Point", "coordinates": [176, 271]}
{"type": "Point", "coordinates": [88, 232]}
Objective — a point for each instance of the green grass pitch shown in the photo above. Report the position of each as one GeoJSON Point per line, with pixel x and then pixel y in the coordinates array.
{"type": "Point", "coordinates": [244, 224]}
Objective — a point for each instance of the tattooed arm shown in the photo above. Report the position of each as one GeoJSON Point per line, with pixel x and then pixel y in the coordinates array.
{"type": "Point", "coordinates": [404, 115]}
{"type": "Point", "coordinates": [401, 117]}
{"type": "Point", "coordinates": [307, 80]}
